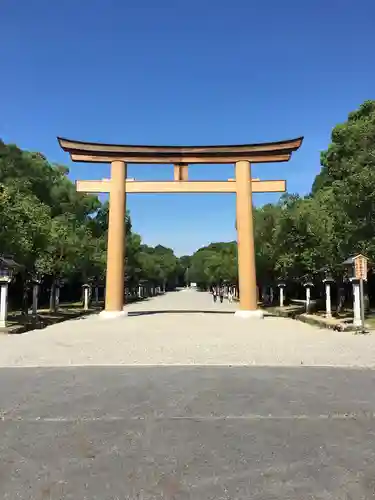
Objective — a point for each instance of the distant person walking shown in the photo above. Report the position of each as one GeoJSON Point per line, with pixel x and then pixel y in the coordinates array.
{"type": "Point", "coordinates": [214, 293]}
{"type": "Point", "coordinates": [230, 295]}
{"type": "Point", "coordinates": [221, 294]}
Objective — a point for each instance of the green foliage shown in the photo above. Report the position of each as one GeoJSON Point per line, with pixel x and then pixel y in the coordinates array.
{"type": "Point", "coordinates": [348, 180]}
{"type": "Point", "coordinates": [50, 228]}
{"type": "Point", "coordinates": [158, 265]}
{"type": "Point", "coordinates": [214, 264]}
{"type": "Point", "coordinates": [24, 224]}
{"type": "Point", "coordinates": [299, 236]}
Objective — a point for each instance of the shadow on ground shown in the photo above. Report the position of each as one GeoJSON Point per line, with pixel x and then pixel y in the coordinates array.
{"type": "Point", "coordinates": [177, 311]}
{"type": "Point", "coordinates": [19, 323]}
{"type": "Point", "coordinates": [187, 433]}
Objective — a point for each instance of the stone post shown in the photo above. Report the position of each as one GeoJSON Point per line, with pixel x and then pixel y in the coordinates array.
{"type": "Point", "coordinates": [3, 303]}
{"type": "Point", "coordinates": [357, 320]}
{"type": "Point", "coordinates": [327, 283]}
{"type": "Point", "coordinates": [281, 293]}
{"type": "Point", "coordinates": [308, 287]}
{"type": "Point", "coordinates": [86, 297]}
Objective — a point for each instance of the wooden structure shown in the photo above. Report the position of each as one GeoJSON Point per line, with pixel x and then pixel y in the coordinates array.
{"type": "Point", "coordinates": [359, 265]}
{"type": "Point", "coordinates": [180, 157]}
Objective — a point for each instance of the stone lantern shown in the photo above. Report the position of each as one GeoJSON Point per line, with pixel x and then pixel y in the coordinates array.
{"type": "Point", "coordinates": [357, 272]}
{"type": "Point", "coordinates": [281, 285]}
{"type": "Point", "coordinates": [328, 282]}
{"type": "Point", "coordinates": [308, 285]}
{"type": "Point", "coordinates": [7, 268]}
{"type": "Point", "coordinates": [86, 296]}
{"type": "Point", "coordinates": [142, 291]}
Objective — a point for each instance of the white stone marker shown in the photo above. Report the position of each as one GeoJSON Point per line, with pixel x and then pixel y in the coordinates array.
{"type": "Point", "coordinates": [357, 321]}
{"type": "Point", "coordinates": [281, 288]}
{"type": "Point", "coordinates": [3, 303]}
{"type": "Point", "coordinates": [308, 287]}
{"type": "Point", "coordinates": [328, 283]}
{"type": "Point", "coordinates": [86, 297]}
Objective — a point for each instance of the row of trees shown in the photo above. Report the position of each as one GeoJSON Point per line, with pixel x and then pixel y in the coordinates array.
{"type": "Point", "coordinates": [299, 236]}
{"type": "Point", "coordinates": [213, 264]}
{"type": "Point", "coordinates": [53, 231]}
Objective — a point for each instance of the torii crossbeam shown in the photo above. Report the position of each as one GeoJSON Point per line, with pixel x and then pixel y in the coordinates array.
{"type": "Point", "coordinates": [180, 156]}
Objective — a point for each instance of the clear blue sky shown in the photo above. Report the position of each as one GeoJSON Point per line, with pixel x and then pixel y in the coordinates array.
{"type": "Point", "coordinates": [184, 72]}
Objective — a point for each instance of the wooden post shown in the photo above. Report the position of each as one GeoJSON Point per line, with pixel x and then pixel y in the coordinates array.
{"type": "Point", "coordinates": [245, 239]}
{"type": "Point", "coordinates": [180, 172]}
{"type": "Point", "coordinates": [184, 172]}
{"type": "Point", "coordinates": [114, 290]}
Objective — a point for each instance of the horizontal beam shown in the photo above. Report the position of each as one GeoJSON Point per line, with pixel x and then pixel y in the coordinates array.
{"type": "Point", "coordinates": [103, 186]}
{"type": "Point", "coordinates": [73, 146]}
{"type": "Point", "coordinates": [265, 158]}
{"type": "Point", "coordinates": [131, 179]}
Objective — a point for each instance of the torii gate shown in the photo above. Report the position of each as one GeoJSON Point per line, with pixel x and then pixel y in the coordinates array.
{"type": "Point", "coordinates": [180, 156]}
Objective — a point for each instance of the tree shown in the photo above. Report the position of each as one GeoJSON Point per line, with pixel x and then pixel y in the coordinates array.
{"type": "Point", "coordinates": [348, 178]}
{"type": "Point", "coordinates": [302, 237]}
{"type": "Point", "coordinates": [214, 264]}
{"type": "Point", "coordinates": [25, 225]}
{"type": "Point", "coordinates": [51, 228]}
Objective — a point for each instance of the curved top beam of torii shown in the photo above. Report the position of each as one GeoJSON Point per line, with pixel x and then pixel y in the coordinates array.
{"type": "Point", "coordinates": [254, 153]}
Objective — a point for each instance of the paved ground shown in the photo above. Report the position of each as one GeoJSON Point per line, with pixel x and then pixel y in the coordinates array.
{"type": "Point", "coordinates": [185, 328]}
{"type": "Point", "coordinates": [186, 432]}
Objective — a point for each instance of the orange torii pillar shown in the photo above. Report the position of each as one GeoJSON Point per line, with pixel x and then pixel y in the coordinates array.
{"type": "Point", "coordinates": [245, 243]}
{"type": "Point", "coordinates": [114, 292]}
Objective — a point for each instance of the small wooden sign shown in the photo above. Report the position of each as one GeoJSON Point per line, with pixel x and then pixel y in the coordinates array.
{"type": "Point", "coordinates": [360, 267]}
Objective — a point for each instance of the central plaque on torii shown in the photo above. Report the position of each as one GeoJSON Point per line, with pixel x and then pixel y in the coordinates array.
{"type": "Point", "coordinates": [180, 157]}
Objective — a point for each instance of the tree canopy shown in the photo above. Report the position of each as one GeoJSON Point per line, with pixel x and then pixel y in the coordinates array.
{"type": "Point", "coordinates": [300, 235]}
{"type": "Point", "coordinates": [51, 229]}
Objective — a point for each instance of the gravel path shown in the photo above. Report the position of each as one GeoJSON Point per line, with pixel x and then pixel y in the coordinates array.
{"type": "Point", "coordinates": [185, 328]}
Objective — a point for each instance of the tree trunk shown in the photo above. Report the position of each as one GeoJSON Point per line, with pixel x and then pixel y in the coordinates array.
{"type": "Point", "coordinates": [52, 297]}
{"type": "Point", "coordinates": [25, 298]}
{"type": "Point", "coordinates": [35, 299]}
{"type": "Point", "coordinates": [340, 300]}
